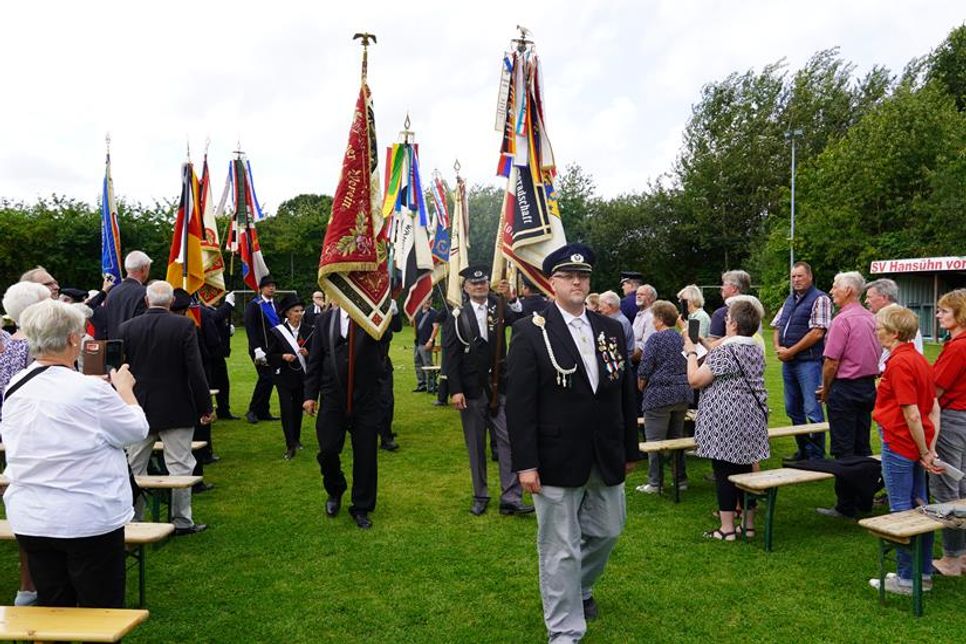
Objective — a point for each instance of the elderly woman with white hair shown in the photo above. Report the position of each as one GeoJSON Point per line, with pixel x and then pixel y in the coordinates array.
{"type": "Point", "coordinates": [14, 357]}
{"type": "Point", "coordinates": [693, 298]}
{"type": "Point", "coordinates": [69, 495]}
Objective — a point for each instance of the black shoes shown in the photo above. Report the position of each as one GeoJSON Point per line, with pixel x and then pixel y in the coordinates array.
{"type": "Point", "coordinates": [226, 416]}
{"type": "Point", "coordinates": [590, 609]}
{"type": "Point", "coordinates": [419, 388]}
{"type": "Point", "coordinates": [390, 445]}
{"type": "Point", "coordinates": [214, 458]}
{"type": "Point", "coordinates": [251, 417]}
{"type": "Point", "coordinates": [362, 520]}
{"type": "Point", "coordinates": [269, 417]}
{"type": "Point", "coordinates": [200, 487]}
{"type": "Point", "coordinates": [439, 403]}
{"type": "Point", "coordinates": [479, 507]}
{"type": "Point", "coordinates": [192, 529]}
{"type": "Point", "coordinates": [515, 508]}
{"type": "Point", "coordinates": [332, 504]}
{"type": "Point", "coordinates": [289, 454]}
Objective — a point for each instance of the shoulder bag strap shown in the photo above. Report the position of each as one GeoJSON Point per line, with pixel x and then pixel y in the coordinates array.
{"type": "Point", "coordinates": [744, 377]}
{"type": "Point", "coordinates": [20, 383]}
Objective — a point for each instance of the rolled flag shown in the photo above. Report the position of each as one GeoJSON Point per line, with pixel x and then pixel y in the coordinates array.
{"type": "Point", "coordinates": [242, 237]}
{"type": "Point", "coordinates": [110, 233]}
{"type": "Point", "coordinates": [185, 267]}
{"type": "Point", "coordinates": [353, 266]}
{"type": "Point", "coordinates": [214, 264]}
{"type": "Point", "coordinates": [530, 226]}
{"type": "Point", "coordinates": [459, 245]}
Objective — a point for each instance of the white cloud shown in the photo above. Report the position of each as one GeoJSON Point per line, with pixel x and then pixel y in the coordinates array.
{"type": "Point", "coordinates": [620, 79]}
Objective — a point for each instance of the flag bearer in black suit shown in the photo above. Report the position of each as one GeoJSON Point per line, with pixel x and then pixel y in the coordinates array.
{"type": "Point", "coordinates": [288, 350]}
{"type": "Point", "coordinates": [474, 344]}
{"type": "Point", "coordinates": [573, 432]}
{"type": "Point", "coordinates": [340, 349]}
{"type": "Point", "coordinates": [260, 316]}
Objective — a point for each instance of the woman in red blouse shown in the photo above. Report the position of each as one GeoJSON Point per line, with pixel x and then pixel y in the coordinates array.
{"type": "Point", "coordinates": [950, 375]}
{"type": "Point", "coordinates": [908, 412]}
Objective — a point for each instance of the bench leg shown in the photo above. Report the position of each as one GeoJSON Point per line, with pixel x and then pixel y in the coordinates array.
{"type": "Point", "coordinates": [138, 555]}
{"type": "Point", "coordinates": [167, 499]}
{"type": "Point", "coordinates": [917, 575]}
{"type": "Point", "coordinates": [770, 499]}
{"type": "Point", "coordinates": [660, 475]}
{"type": "Point", "coordinates": [674, 476]}
{"type": "Point", "coordinates": [884, 548]}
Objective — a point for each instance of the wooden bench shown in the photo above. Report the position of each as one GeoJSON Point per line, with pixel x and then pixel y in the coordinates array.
{"type": "Point", "coordinates": [156, 463]}
{"type": "Point", "coordinates": [907, 528]}
{"type": "Point", "coordinates": [160, 487]}
{"type": "Point", "coordinates": [135, 534]}
{"type": "Point", "coordinates": [764, 485]}
{"type": "Point", "coordinates": [668, 448]}
{"type": "Point", "coordinates": [36, 623]}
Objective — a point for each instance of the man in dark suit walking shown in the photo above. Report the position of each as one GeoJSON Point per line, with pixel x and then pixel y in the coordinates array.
{"type": "Point", "coordinates": [474, 342]}
{"type": "Point", "coordinates": [260, 317]}
{"type": "Point", "coordinates": [126, 300]}
{"type": "Point", "coordinates": [221, 316]}
{"type": "Point", "coordinates": [348, 367]}
{"type": "Point", "coordinates": [573, 433]}
{"type": "Point", "coordinates": [162, 350]}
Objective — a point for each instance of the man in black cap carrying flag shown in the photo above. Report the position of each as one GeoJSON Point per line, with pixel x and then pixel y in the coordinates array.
{"type": "Point", "coordinates": [474, 346]}
{"type": "Point", "coordinates": [260, 317]}
{"type": "Point", "coordinates": [573, 433]}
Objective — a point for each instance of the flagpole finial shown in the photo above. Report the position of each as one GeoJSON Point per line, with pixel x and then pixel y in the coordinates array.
{"type": "Point", "coordinates": [407, 135]}
{"type": "Point", "coordinates": [187, 147]}
{"type": "Point", "coordinates": [207, 143]}
{"type": "Point", "coordinates": [365, 37]}
{"type": "Point", "coordinates": [107, 142]}
{"type": "Point", "coordinates": [457, 167]}
{"type": "Point", "coordinates": [523, 40]}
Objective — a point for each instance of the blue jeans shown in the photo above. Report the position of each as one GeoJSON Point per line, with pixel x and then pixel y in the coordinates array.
{"type": "Point", "coordinates": [802, 378]}
{"type": "Point", "coordinates": [905, 482]}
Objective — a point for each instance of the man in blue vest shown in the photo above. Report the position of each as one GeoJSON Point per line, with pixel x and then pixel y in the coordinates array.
{"type": "Point", "coordinates": [799, 341]}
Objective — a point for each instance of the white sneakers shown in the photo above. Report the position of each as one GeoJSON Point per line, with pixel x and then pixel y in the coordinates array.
{"type": "Point", "coordinates": [647, 488]}
{"type": "Point", "coordinates": [25, 598]}
{"type": "Point", "coordinates": [894, 585]}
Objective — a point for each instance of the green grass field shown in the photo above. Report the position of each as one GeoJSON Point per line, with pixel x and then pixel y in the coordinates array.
{"type": "Point", "coordinates": [272, 567]}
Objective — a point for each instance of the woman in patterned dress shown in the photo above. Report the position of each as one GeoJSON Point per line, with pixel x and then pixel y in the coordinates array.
{"type": "Point", "coordinates": [732, 424]}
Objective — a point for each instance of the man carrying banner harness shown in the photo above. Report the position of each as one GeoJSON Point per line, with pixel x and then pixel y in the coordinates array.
{"type": "Point", "coordinates": [475, 346]}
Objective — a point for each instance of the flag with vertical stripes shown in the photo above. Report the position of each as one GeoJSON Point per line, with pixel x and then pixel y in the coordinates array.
{"type": "Point", "coordinates": [185, 266]}
{"type": "Point", "coordinates": [214, 264]}
{"type": "Point", "coordinates": [110, 233]}
{"type": "Point", "coordinates": [242, 237]}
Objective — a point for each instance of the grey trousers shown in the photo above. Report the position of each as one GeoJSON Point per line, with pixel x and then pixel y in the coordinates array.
{"type": "Point", "coordinates": [660, 424]}
{"type": "Point", "coordinates": [179, 461]}
{"type": "Point", "coordinates": [423, 357]}
{"type": "Point", "coordinates": [951, 448]}
{"type": "Point", "coordinates": [476, 417]}
{"type": "Point", "coordinates": [577, 527]}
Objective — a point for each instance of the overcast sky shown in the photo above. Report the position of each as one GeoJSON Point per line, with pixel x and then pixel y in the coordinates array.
{"type": "Point", "coordinates": [282, 77]}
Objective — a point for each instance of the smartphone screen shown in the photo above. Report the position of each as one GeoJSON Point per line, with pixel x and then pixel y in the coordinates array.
{"type": "Point", "coordinates": [113, 355]}
{"type": "Point", "coordinates": [683, 309]}
{"type": "Point", "coordinates": [694, 326]}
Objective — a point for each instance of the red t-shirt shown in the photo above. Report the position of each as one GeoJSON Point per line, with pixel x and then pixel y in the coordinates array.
{"type": "Point", "coordinates": [950, 373]}
{"type": "Point", "coordinates": [907, 380]}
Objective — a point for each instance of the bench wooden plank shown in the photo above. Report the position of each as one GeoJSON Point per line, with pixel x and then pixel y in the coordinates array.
{"type": "Point", "coordinates": [195, 445]}
{"type": "Point", "coordinates": [135, 533]}
{"type": "Point", "coordinates": [797, 430]}
{"type": "Point", "coordinates": [766, 479]}
{"type": "Point", "coordinates": [71, 624]}
{"type": "Point", "coordinates": [675, 444]}
{"type": "Point", "coordinates": [167, 482]}
{"type": "Point", "coordinates": [901, 526]}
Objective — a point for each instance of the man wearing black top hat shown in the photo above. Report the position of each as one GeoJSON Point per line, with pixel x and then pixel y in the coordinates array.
{"type": "Point", "coordinates": [260, 316]}
{"type": "Point", "coordinates": [288, 350]}
{"type": "Point", "coordinates": [474, 343]}
{"type": "Point", "coordinates": [630, 280]}
{"type": "Point", "coordinates": [573, 432]}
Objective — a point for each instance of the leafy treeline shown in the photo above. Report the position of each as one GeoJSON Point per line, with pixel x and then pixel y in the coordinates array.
{"type": "Point", "coordinates": [881, 173]}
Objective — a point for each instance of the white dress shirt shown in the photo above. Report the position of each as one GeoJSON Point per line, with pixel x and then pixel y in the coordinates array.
{"type": "Point", "coordinates": [583, 335]}
{"type": "Point", "coordinates": [344, 323]}
{"type": "Point", "coordinates": [479, 310]}
{"type": "Point", "coordinates": [64, 433]}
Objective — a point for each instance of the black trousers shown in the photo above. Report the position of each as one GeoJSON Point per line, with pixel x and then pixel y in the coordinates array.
{"type": "Point", "coordinates": [290, 401]}
{"type": "Point", "coordinates": [388, 402]}
{"type": "Point", "coordinates": [219, 381]}
{"type": "Point", "coordinates": [850, 404]}
{"type": "Point", "coordinates": [363, 425]}
{"type": "Point", "coordinates": [86, 571]}
{"type": "Point", "coordinates": [729, 496]}
{"type": "Point", "coordinates": [262, 393]}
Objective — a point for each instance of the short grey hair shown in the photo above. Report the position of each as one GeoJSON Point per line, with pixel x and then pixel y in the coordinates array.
{"type": "Point", "coordinates": [885, 287]}
{"type": "Point", "coordinates": [851, 279]}
{"type": "Point", "coordinates": [650, 290]}
{"type": "Point", "coordinates": [33, 274]}
{"type": "Point", "coordinates": [160, 293]}
{"type": "Point", "coordinates": [737, 278]}
{"type": "Point", "coordinates": [136, 260]}
{"type": "Point", "coordinates": [48, 324]}
{"type": "Point", "coordinates": [751, 299]}
{"type": "Point", "coordinates": [611, 299]}
{"type": "Point", "coordinates": [21, 295]}
{"type": "Point", "coordinates": [692, 293]}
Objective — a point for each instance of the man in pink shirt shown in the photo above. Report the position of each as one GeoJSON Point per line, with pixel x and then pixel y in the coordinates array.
{"type": "Point", "coordinates": [848, 381]}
